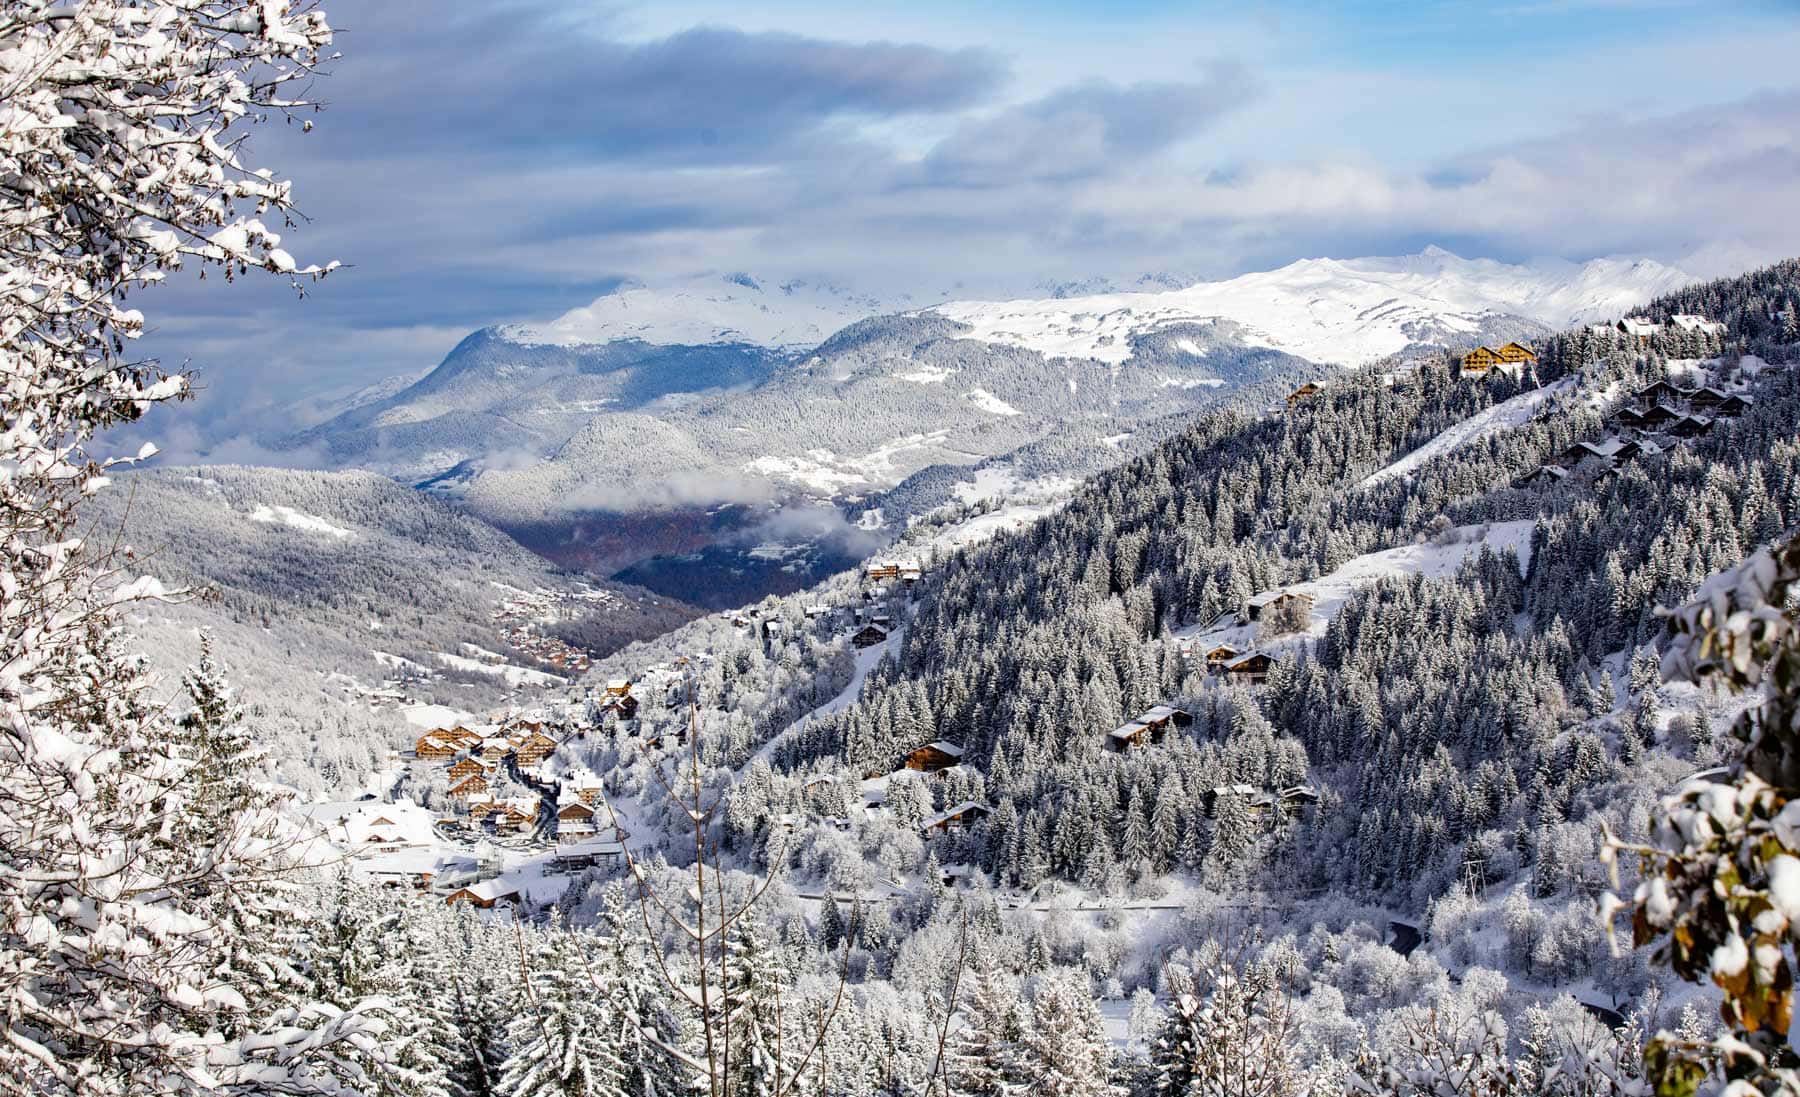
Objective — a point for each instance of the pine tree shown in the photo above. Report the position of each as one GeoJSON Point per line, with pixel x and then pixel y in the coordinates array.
{"type": "Point", "coordinates": [983, 1056]}
{"type": "Point", "coordinates": [755, 983]}
{"type": "Point", "coordinates": [1066, 1046]}
{"type": "Point", "coordinates": [563, 1042]}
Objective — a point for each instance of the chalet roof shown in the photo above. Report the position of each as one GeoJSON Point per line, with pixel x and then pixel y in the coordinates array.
{"type": "Point", "coordinates": [1689, 322]}
{"type": "Point", "coordinates": [1246, 659]}
{"type": "Point", "coordinates": [1266, 597]}
{"type": "Point", "coordinates": [943, 746]}
{"type": "Point", "coordinates": [490, 891]}
{"type": "Point", "coordinates": [592, 847]}
{"type": "Point", "coordinates": [402, 862]}
{"type": "Point", "coordinates": [1518, 346]}
{"type": "Point", "coordinates": [618, 683]}
{"type": "Point", "coordinates": [1157, 712]}
{"type": "Point", "coordinates": [1639, 325]}
{"type": "Point", "coordinates": [950, 813]}
{"type": "Point", "coordinates": [1126, 731]}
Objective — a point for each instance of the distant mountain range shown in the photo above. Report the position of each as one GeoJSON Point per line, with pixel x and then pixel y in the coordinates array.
{"type": "Point", "coordinates": [616, 432]}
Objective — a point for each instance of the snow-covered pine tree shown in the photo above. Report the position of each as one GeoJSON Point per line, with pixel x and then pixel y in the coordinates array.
{"type": "Point", "coordinates": [760, 1050]}
{"type": "Point", "coordinates": [563, 1041]}
{"type": "Point", "coordinates": [1066, 1052]}
{"type": "Point", "coordinates": [647, 1030]}
{"type": "Point", "coordinates": [120, 142]}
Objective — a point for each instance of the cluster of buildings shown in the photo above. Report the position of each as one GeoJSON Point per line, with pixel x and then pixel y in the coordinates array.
{"type": "Point", "coordinates": [1653, 419]}
{"type": "Point", "coordinates": [1642, 329]}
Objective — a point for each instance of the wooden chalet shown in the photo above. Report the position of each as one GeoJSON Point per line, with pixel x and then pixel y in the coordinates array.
{"type": "Point", "coordinates": [1268, 599]}
{"type": "Point", "coordinates": [880, 573]}
{"type": "Point", "coordinates": [1627, 419]}
{"type": "Point", "coordinates": [1690, 426]}
{"type": "Point", "coordinates": [518, 813]}
{"type": "Point", "coordinates": [1699, 325]}
{"type": "Point", "coordinates": [1252, 669]}
{"type": "Point", "coordinates": [1639, 328]}
{"type": "Point", "coordinates": [575, 812]}
{"type": "Point", "coordinates": [461, 736]}
{"type": "Point", "coordinates": [1515, 354]}
{"type": "Point", "coordinates": [868, 636]}
{"type": "Point", "coordinates": [473, 785]}
{"type": "Point", "coordinates": [933, 756]}
{"type": "Point", "coordinates": [1545, 474]}
{"type": "Point", "coordinates": [1304, 392]}
{"type": "Point", "coordinates": [485, 895]}
{"type": "Point", "coordinates": [1735, 404]}
{"type": "Point", "coordinates": [589, 853]}
{"type": "Point", "coordinates": [960, 817]}
{"type": "Point", "coordinates": [587, 789]}
{"type": "Point", "coordinates": [432, 744]}
{"type": "Point", "coordinates": [481, 805]}
{"type": "Point", "coordinates": [1220, 654]}
{"type": "Point", "coordinates": [534, 748]}
{"type": "Point", "coordinates": [1149, 728]}
{"type": "Point", "coordinates": [1480, 360]}
{"type": "Point", "coordinates": [1659, 392]}
{"type": "Point", "coordinates": [494, 749]}
{"type": "Point", "coordinates": [1659, 415]}
{"type": "Point", "coordinates": [618, 687]}
{"type": "Point", "coordinates": [468, 767]}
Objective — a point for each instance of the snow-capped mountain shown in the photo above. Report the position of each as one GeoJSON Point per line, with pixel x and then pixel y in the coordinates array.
{"type": "Point", "coordinates": [671, 401]}
{"type": "Point", "coordinates": [730, 308]}
{"type": "Point", "coordinates": [1343, 312]}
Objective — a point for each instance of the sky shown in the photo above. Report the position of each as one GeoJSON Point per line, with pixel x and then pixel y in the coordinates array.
{"type": "Point", "coordinates": [482, 163]}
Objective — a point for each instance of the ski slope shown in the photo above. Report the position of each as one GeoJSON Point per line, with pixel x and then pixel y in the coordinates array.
{"type": "Point", "coordinates": [1502, 416]}
{"type": "Point", "coordinates": [1431, 559]}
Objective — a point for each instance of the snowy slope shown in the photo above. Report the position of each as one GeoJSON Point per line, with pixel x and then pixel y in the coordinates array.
{"type": "Point", "coordinates": [1433, 560]}
{"type": "Point", "coordinates": [1346, 312]}
{"type": "Point", "coordinates": [733, 308]}
{"type": "Point", "coordinates": [1509, 413]}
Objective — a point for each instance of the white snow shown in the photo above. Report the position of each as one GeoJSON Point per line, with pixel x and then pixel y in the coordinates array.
{"type": "Point", "coordinates": [1330, 592]}
{"type": "Point", "coordinates": [865, 662]}
{"type": "Point", "coordinates": [926, 375]}
{"type": "Point", "coordinates": [987, 401]}
{"type": "Point", "coordinates": [1190, 382]}
{"type": "Point", "coordinates": [707, 309]}
{"type": "Point", "coordinates": [513, 676]}
{"type": "Point", "coordinates": [288, 516]}
{"type": "Point", "coordinates": [1342, 311]}
{"type": "Point", "coordinates": [434, 716]}
{"type": "Point", "coordinates": [1507, 414]}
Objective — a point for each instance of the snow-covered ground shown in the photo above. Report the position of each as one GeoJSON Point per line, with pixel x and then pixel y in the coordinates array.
{"type": "Point", "coordinates": [1502, 416]}
{"type": "Point", "coordinates": [1327, 310]}
{"type": "Point", "coordinates": [287, 516]}
{"type": "Point", "coordinates": [1330, 592]}
{"type": "Point", "coordinates": [865, 662]}
{"type": "Point", "coordinates": [427, 717]}
{"type": "Point", "coordinates": [514, 676]}
{"type": "Point", "coordinates": [731, 308]}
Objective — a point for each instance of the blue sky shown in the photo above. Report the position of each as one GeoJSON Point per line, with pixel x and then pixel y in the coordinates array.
{"type": "Point", "coordinates": [492, 162]}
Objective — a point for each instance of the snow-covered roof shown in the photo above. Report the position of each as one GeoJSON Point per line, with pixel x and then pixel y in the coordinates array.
{"type": "Point", "coordinates": [1639, 325]}
{"type": "Point", "coordinates": [403, 862]}
{"type": "Point", "coordinates": [593, 847]}
{"type": "Point", "coordinates": [490, 890]}
{"type": "Point", "coordinates": [1126, 731]}
{"type": "Point", "coordinates": [400, 823]}
{"type": "Point", "coordinates": [951, 813]}
{"type": "Point", "coordinates": [1157, 712]}
{"type": "Point", "coordinates": [1267, 596]}
{"type": "Point", "coordinates": [946, 747]}
{"type": "Point", "coordinates": [1689, 322]}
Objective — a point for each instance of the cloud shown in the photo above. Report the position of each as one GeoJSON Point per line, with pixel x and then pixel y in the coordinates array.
{"type": "Point", "coordinates": [1087, 129]}
{"type": "Point", "coordinates": [533, 79]}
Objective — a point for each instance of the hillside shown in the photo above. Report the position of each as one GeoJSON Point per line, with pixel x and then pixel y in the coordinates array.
{"type": "Point", "coordinates": [1405, 811]}
{"type": "Point", "coordinates": [356, 606]}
